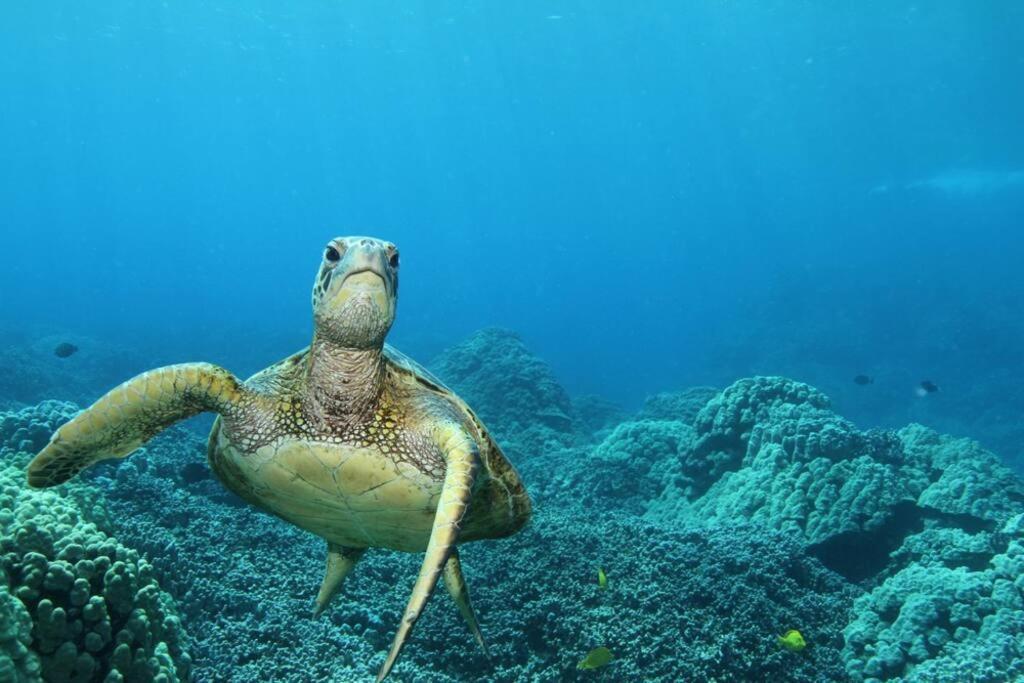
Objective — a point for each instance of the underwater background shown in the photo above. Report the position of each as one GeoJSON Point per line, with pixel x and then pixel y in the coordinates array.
{"type": "Point", "coordinates": [736, 285]}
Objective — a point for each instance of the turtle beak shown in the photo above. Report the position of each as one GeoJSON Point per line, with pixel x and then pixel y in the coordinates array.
{"type": "Point", "coordinates": [364, 267]}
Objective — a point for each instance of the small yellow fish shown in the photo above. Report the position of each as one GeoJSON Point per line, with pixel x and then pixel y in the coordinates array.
{"type": "Point", "coordinates": [602, 580]}
{"type": "Point", "coordinates": [596, 658]}
{"type": "Point", "coordinates": [792, 641]}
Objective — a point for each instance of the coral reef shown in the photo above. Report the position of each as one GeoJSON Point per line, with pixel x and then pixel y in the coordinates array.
{"type": "Point", "coordinates": [938, 620]}
{"type": "Point", "coordinates": [971, 349]}
{"type": "Point", "coordinates": [77, 605]}
{"type": "Point", "coordinates": [722, 519]}
{"type": "Point", "coordinates": [964, 479]}
{"type": "Point", "coordinates": [30, 428]}
{"type": "Point", "coordinates": [18, 663]}
{"type": "Point", "coordinates": [910, 514]}
{"type": "Point", "coordinates": [682, 406]}
{"type": "Point", "coordinates": [596, 415]}
{"type": "Point", "coordinates": [770, 450]}
{"type": "Point", "coordinates": [624, 471]}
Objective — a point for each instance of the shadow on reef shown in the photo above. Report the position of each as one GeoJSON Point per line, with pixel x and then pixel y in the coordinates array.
{"type": "Point", "coordinates": [862, 555]}
{"type": "Point", "coordinates": [722, 519]}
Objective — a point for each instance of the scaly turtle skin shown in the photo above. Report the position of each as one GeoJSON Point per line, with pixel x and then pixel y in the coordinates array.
{"type": "Point", "coordinates": [347, 439]}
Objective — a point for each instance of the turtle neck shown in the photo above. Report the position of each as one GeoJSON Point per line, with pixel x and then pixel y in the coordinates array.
{"type": "Point", "coordinates": [342, 384]}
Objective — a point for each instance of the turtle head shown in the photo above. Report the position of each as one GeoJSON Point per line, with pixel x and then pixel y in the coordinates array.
{"type": "Point", "coordinates": [356, 291]}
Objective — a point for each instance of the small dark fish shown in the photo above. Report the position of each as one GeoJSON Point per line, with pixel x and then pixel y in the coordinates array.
{"type": "Point", "coordinates": [929, 386]}
{"type": "Point", "coordinates": [64, 350]}
{"type": "Point", "coordinates": [863, 380]}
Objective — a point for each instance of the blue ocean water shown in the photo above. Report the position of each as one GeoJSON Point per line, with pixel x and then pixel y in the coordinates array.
{"type": "Point", "coordinates": [637, 189]}
{"type": "Point", "coordinates": [652, 195]}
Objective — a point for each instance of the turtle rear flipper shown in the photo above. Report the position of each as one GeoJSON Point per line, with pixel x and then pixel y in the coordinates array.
{"type": "Point", "coordinates": [340, 561]}
{"type": "Point", "coordinates": [133, 413]}
{"type": "Point", "coordinates": [456, 584]}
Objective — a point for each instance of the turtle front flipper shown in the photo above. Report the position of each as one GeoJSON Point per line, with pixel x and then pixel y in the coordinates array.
{"type": "Point", "coordinates": [461, 462]}
{"type": "Point", "coordinates": [456, 584]}
{"type": "Point", "coordinates": [133, 413]}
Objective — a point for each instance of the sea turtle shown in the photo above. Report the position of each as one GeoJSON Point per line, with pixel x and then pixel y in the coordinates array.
{"type": "Point", "coordinates": [348, 439]}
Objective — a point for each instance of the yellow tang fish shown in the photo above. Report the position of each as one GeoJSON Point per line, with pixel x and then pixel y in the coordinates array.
{"type": "Point", "coordinates": [792, 641]}
{"type": "Point", "coordinates": [602, 580]}
{"type": "Point", "coordinates": [596, 658]}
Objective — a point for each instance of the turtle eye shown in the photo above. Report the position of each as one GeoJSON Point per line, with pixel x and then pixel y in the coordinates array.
{"type": "Point", "coordinates": [394, 260]}
{"type": "Point", "coordinates": [332, 255]}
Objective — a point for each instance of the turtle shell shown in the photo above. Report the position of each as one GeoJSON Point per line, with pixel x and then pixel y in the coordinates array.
{"type": "Point", "coordinates": [409, 365]}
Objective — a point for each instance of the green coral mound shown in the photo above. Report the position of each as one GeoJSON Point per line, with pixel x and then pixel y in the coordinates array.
{"type": "Point", "coordinates": [18, 663]}
{"type": "Point", "coordinates": [934, 622]}
{"type": "Point", "coordinates": [75, 604]}
{"type": "Point", "coordinates": [30, 429]}
{"type": "Point", "coordinates": [770, 450]}
{"type": "Point", "coordinates": [626, 469]}
{"type": "Point", "coordinates": [964, 479]}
